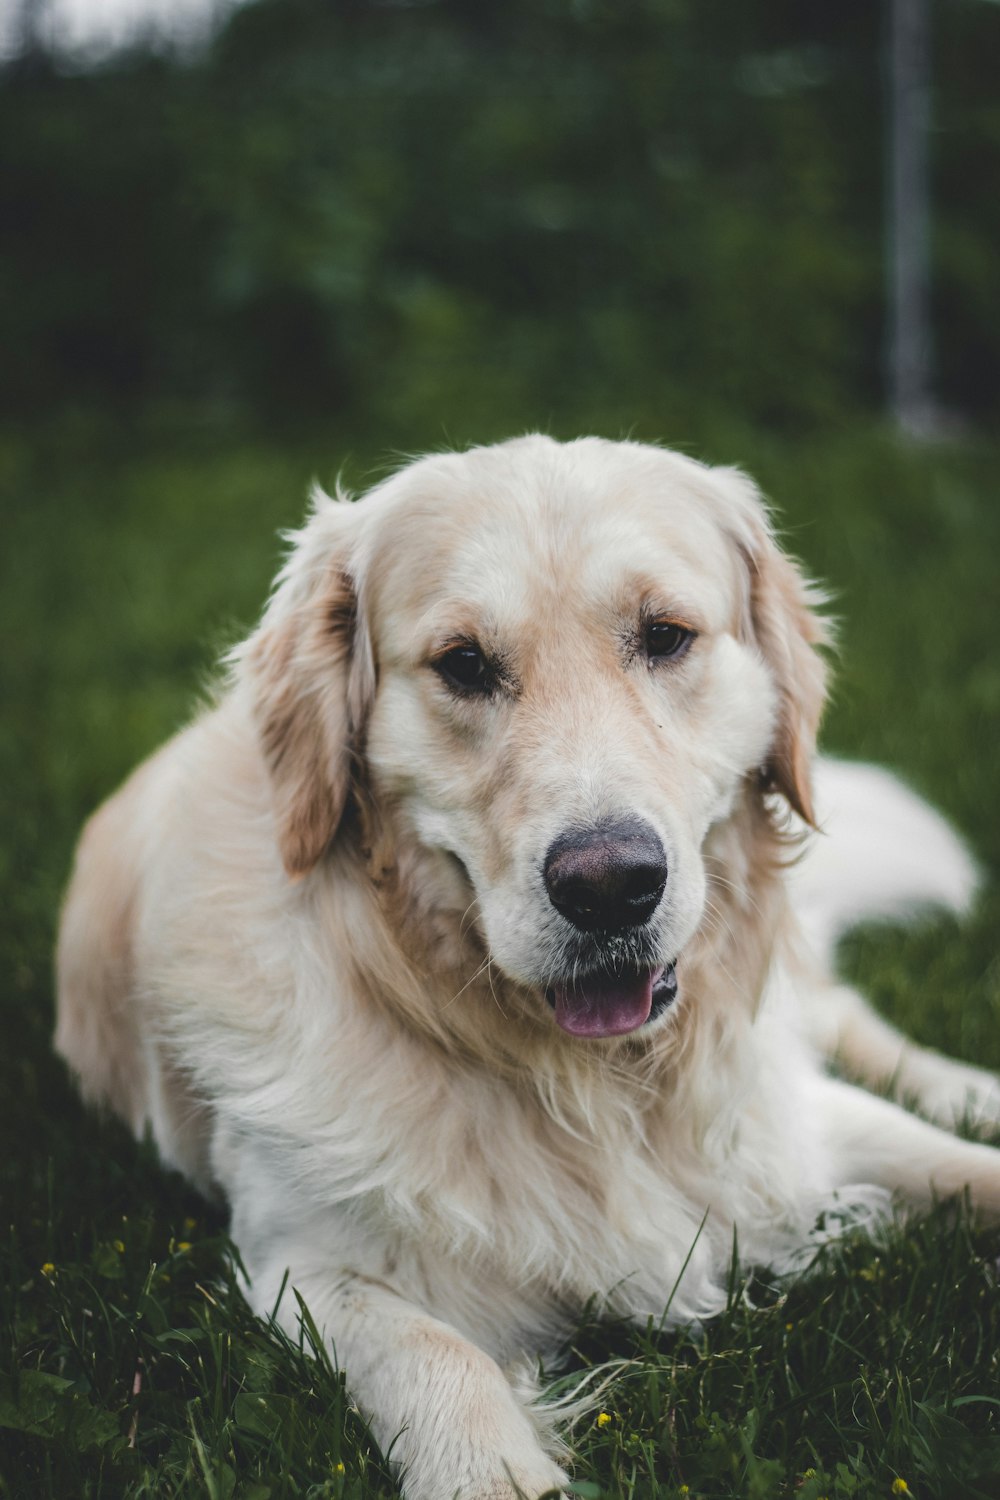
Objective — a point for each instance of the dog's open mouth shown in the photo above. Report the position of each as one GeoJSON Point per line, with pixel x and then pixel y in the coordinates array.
{"type": "Point", "coordinates": [598, 1005]}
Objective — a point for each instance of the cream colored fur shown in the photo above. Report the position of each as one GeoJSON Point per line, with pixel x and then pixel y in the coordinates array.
{"type": "Point", "coordinates": [309, 942]}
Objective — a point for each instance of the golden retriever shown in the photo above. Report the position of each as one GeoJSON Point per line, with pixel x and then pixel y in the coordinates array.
{"type": "Point", "coordinates": [455, 943]}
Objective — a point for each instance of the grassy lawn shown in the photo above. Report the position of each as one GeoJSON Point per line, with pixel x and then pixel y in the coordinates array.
{"type": "Point", "coordinates": [129, 1364]}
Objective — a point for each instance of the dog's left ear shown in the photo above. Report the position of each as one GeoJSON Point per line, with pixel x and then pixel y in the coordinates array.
{"type": "Point", "coordinates": [310, 676]}
{"type": "Point", "coordinates": [787, 630]}
{"type": "Point", "coordinates": [782, 620]}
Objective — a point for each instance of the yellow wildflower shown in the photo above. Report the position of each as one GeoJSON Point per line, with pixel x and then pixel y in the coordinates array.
{"type": "Point", "coordinates": [183, 1246]}
{"type": "Point", "coordinates": [900, 1487]}
{"type": "Point", "coordinates": [48, 1269]}
{"type": "Point", "coordinates": [338, 1468]}
{"type": "Point", "coordinates": [603, 1418]}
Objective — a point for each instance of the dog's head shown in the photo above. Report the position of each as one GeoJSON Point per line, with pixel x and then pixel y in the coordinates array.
{"type": "Point", "coordinates": [555, 669]}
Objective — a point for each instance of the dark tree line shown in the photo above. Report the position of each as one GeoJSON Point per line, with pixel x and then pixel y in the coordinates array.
{"type": "Point", "coordinates": [349, 204]}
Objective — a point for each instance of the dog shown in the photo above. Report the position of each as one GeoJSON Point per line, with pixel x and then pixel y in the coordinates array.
{"type": "Point", "coordinates": [462, 943]}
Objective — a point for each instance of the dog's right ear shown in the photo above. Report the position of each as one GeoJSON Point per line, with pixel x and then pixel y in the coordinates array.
{"type": "Point", "coordinates": [310, 677]}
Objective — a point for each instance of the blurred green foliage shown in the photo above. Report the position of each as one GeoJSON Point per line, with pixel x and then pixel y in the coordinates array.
{"type": "Point", "coordinates": [370, 205]}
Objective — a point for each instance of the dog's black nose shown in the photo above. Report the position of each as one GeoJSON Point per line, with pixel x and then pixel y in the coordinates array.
{"type": "Point", "coordinates": [608, 877]}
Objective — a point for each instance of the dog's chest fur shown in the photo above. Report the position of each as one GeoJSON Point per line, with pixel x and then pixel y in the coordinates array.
{"type": "Point", "coordinates": [505, 1208]}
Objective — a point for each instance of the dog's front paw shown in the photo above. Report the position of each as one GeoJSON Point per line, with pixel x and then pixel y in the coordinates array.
{"type": "Point", "coordinates": [476, 1439]}
{"type": "Point", "coordinates": [486, 1476]}
{"type": "Point", "coordinates": [545, 1479]}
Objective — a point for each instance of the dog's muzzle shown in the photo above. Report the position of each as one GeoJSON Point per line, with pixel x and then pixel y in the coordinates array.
{"type": "Point", "coordinates": [608, 880]}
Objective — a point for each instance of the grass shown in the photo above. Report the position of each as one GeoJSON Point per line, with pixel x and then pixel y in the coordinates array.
{"type": "Point", "coordinates": [130, 1365]}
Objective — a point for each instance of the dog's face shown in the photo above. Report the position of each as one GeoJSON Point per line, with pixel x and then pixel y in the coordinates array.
{"type": "Point", "coordinates": [563, 664]}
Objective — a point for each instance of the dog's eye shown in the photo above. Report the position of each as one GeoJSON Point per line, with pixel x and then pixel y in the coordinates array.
{"type": "Point", "coordinates": [666, 640]}
{"type": "Point", "coordinates": [466, 668]}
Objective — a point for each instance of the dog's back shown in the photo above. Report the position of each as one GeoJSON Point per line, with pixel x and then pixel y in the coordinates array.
{"type": "Point", "coordinates": [96, 1030]}
{"type": "Point", "coordinates": [881, 852]}
{"type": "Point", "coordinates": [101, 1030]}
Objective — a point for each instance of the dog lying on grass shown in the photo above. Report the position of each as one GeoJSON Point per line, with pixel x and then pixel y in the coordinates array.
{"type": "Point", "coordinates": [455, 944]}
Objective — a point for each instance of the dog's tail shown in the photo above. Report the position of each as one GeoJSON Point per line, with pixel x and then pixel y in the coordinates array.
{"type": "Point", "coordinates": [882, 852]}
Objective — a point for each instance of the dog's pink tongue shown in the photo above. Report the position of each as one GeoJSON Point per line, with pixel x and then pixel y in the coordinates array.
{"type": "Point", "coordinates": [604, 1006]}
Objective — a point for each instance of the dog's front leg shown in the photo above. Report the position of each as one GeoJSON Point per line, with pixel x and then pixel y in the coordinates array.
{"type": "Point", "coordinates": [874, 1140]}
{"type": "Point", "coordinates": [446, 1409]}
